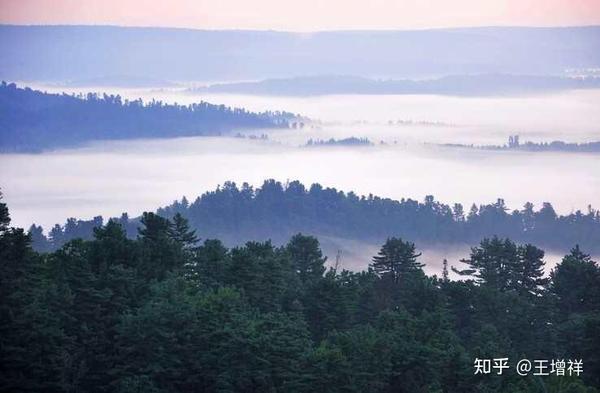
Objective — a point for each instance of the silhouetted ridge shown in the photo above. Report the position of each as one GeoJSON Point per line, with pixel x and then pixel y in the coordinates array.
{"type": "Point", "coordinates": [276, 211]}
{"type": "Point", "coordinates": [32, 120]}
{"type": "Point", "coordinates": [467, 85]}
{"type": "Point", "coordinates": [62, 53]}
{"type": "Point", "coordinates": [515, 144]}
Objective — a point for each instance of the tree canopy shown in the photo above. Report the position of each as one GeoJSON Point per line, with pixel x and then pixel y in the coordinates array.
{"type": "Point", "coordinates": [34, 120]}
{"type": "Point", "coordinates": [162, 312]}
{"type": "Point", "coordinates": [278, 211]}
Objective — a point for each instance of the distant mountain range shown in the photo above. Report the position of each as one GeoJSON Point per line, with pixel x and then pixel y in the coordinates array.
{"type": "Point", "coordinates": [73, 53]}
{"type": "Point", "coordinates": [488, 84]}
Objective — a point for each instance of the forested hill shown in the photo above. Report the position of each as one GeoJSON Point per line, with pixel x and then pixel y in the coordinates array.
{"type": "Point", "coordinates": [277, 211]}
{"type": "Point", "coordinates": [166, 313]}
{"type": "Point", "coordinates": [32, 120]}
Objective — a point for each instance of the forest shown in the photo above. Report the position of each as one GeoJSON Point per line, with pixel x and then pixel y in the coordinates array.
{"type": "Point", "coordinates": [350, 141]}
{"type": "Point", "coordinates": [169, 312]}
{"type": "Point", "coordinates": [32, 120]}
{"type": "Point", "coordinates": [557, 146]}
{"type": "Point", "coordinates": [277, 211]}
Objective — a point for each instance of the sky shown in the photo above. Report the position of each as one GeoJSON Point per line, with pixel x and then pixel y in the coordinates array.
{"type": "Point", "coordinates": [303, 15]}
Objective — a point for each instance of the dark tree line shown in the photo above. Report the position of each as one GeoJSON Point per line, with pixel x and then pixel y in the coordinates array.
{"type": "Point", "coordinates": [277, 211]}
{"type": "Point", "coordinates": [514, 144]}
{"type": "Point", "coordinates": [33, 120]}
{"type": "Point", "coordinates": [350, 141]}
{"type": "Point", "coordinates": [166, 313]}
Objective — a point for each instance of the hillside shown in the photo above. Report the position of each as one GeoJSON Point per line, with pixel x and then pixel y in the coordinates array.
{"type": "Point", "coordinates": [166, 313]}
{"type": "Point", "coordinates": [277, 211]}
{"type": "Point", "coordinates": [32, 120]}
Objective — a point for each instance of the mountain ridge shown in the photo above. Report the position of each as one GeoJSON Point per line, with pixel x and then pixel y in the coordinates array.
{"type": "Point", "coordinates": [58, 52]}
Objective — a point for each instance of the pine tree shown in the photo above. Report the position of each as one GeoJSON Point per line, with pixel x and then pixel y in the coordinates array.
{"type": "Point", "coordinates": [180, 232]}
{"type": "Point", "coordinates": [306, 257]}
{"type": "Point", "coordinates": [397, 258]}
{"type": "Point", "coordinates": [38, 240]}
{"type": "Point", "coordinates": [493, 263]}
{"type": "Point", "coordinates": [160, 252]}
{"type": "Point", "coordinates": [575, 287]}
{"type": "Point", "coordinates": [445, 271]}
{"type": "Point", "coordinates": [56, 237]}
{"type": "Point", "coordinates": [30, 336]}
{"type": "Point", "coordinates": [155, 227]}
{"type": "Point", "coordinates": [575, 282]}
{"type": "Point", "coordinates": [210, 265]}
{"type": "Point", "coordinates": [4, 215]}
{"type": "Point", "coordinates": [528, 275]}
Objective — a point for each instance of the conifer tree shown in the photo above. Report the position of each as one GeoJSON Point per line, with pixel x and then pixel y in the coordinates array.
{"type": "Point", "coordinates": [396, 259]}
{"type": "Point", "coordinates": [306, 257]}
{"type": "Point", "coordinates": [161, 253]}
{"type": "Point", "coordinates": [445, 271]}
{"type": "Point", "coordinates": [4, 215]}
{"type": "Point", "coordinates": [529, 273]}
{"type": "Point", "coordinates": [180, 232]}
{"type": "Point", "coordinates": [575, 282]}
{"type": "Point", "coordinates": [493, 263]}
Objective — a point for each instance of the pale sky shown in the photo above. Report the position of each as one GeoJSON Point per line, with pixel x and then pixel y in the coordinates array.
{"type": "Point", "coordinates": [303, 15]}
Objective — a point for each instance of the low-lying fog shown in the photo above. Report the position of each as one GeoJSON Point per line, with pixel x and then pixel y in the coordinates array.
{"type": "Point", "coordinates": [134, 176]}
{"type": "Point", "coordinates": [572, 116]}
{"type": "Point", "coordinates": [109, 178]}
{"type": "Point", "coordinates": [356, 255]}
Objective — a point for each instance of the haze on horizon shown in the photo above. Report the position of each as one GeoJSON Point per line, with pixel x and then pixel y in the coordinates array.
{"type": "Point", "coordinates": [112, 177]}
{"type": "Point", "coordinates": [308, 15]}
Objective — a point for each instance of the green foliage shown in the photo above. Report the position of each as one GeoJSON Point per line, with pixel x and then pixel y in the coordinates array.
{"type": "Point", "coordinates": [180, 232]}
{"type": "Point", "coordinates": [30, 337]}
{"type": "Point", "coordinates": [278, 211]}
{"type": "Point", "coordinates": [396, 259]}
{"type": "Point", "coordinates": [307, 258]}
{"type": "Point", "coordinates": [161, 314]}
{"type": "Point", "coordinates": [575, 283]}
